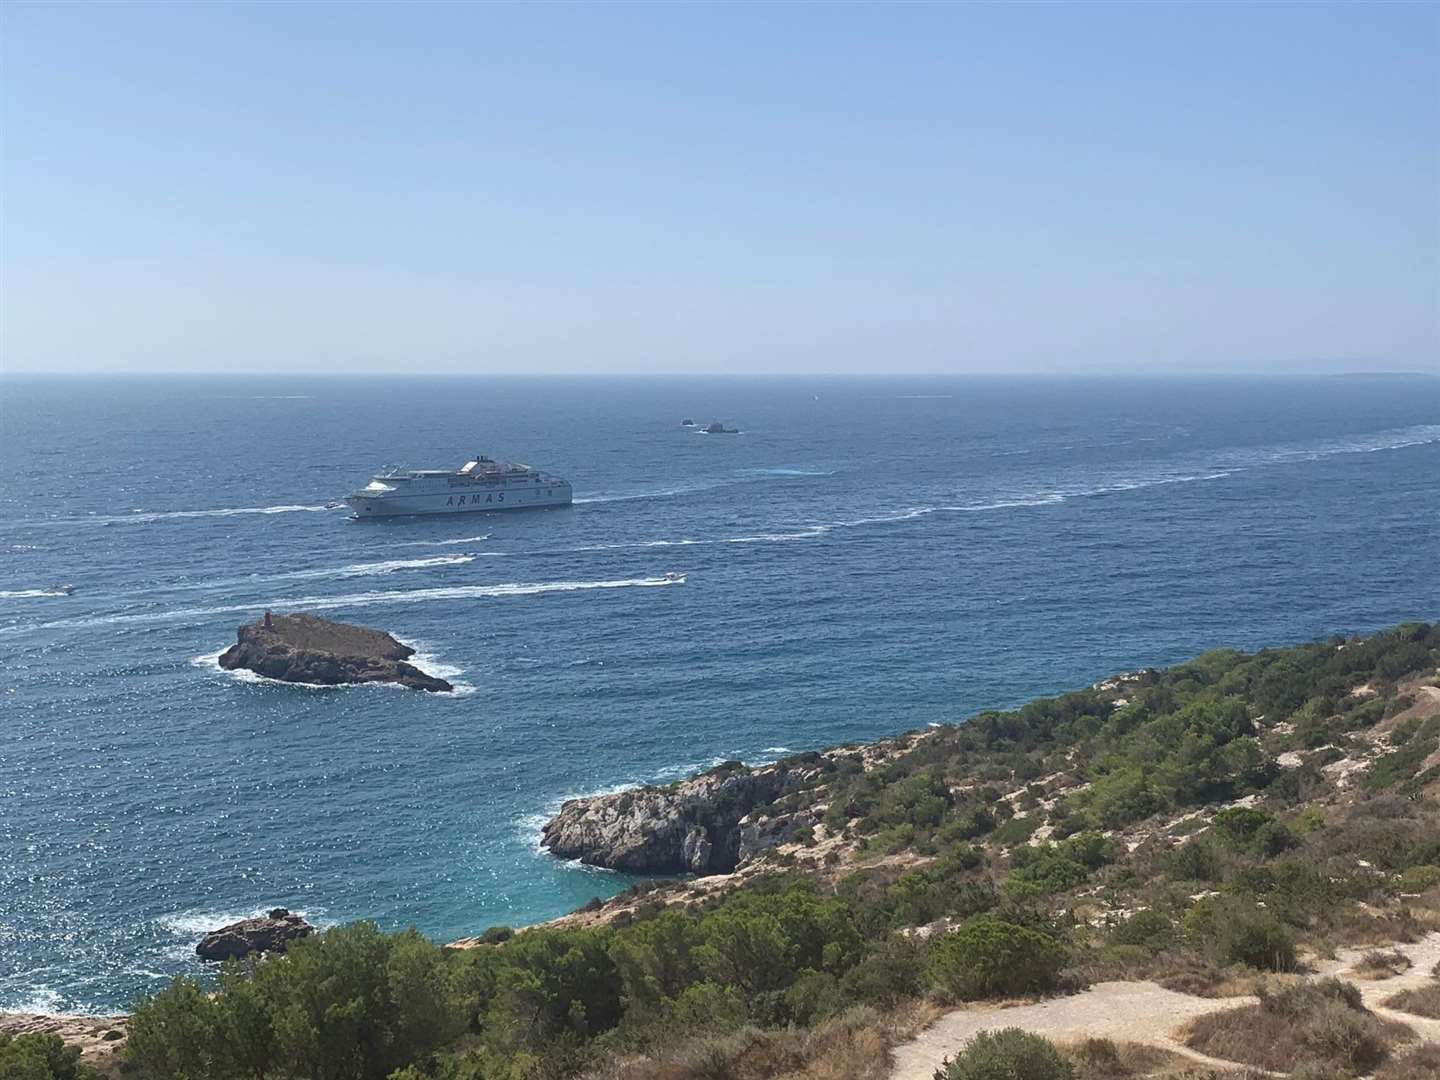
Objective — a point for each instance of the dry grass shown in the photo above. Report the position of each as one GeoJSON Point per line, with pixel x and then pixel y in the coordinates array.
{"type": "Point", "coordinates": [1372, 927]}
{"type": "Point", "coordinates": [1377, 964]}
{"type": "Point", "coordinates": [1320, 1025]}
{"type": "Point", "coordinates": [1104, 1059]}
{"type": "Point", "coordinates": [852, 1046]}
{"type": "Point", "coordinates": [1200, 978]}
{"type": "Point", "coordinates": [1421, 1063]}
{"type": "Point", "coordinates": [1421, 1001]}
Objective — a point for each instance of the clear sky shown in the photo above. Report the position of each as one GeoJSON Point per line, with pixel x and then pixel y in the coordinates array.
{"type": "Point", "coordinates": [689, 188]}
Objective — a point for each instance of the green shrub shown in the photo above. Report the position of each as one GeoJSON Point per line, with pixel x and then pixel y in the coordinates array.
{"type": "Point", "coordinates": [990, 957]}
{"type": "Point", "coordinates": [1017, 830]}
{"type": "Point", "coordinates": [1234, 931]}
{"type": "Point", "coordinates": [1198, 859]}
{"type": "Point", "coordinates": [37, 1056]}
{"type": "Point", "coordinates": [1150, 928]}
{"type": "Point", "coordinates": [890, 973]}
{"type": "Point", "coordinates": [706, 1006]}
{"type": "Point", "coordinates": [1051, 868]}
{"type": "Point", "coordinates": [1237, 824]}
{"type": "Point", "coordinates": [1419, 878]}
{"type": "Point", "coordinates": [812, 997]}
{"type": "Point", "coordinates": [1007, 1054]}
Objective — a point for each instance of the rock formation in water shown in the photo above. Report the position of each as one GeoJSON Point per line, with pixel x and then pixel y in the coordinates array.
{"type": "Point", "coordinates": [708, 824]}
{"type": "Point", "coordinates": [308, 649]}
{"type": "Point", "coordinates": [270, 932]}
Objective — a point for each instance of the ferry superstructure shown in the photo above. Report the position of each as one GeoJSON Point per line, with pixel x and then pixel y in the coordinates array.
{"type": "Point", "coordinates": [480, 484]}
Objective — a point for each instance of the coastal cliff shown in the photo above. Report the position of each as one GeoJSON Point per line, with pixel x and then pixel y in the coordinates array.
{"type": "Point", "coordinates": [713, 823]}
{"type": "Point", "coordinates": [308, 649]}
{"type": "Point", "coordinates": [1129, 851]}
{"type": "Point", "coordinates": [688, 827]}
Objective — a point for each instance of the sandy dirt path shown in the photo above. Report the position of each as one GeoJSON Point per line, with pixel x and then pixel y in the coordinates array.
{"type": "Point", "coordinates": [1142, 1012]}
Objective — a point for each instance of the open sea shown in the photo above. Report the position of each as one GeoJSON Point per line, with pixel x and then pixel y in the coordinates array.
{"type": "Point", "coordinates": [866, 557]}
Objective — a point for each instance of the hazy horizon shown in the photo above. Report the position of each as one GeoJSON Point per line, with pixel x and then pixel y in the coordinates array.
{"type": "Point", "coordinates": [811, 190]}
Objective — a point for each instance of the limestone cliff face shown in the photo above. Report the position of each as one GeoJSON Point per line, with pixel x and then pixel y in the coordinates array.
{"type": "Point", "coordinates": [308, 649]}
{"type": "Point", "coordinates": [691, 827]}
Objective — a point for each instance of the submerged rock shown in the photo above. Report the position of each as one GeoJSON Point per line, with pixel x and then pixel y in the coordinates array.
{"type": "Point", "coordinates": [693, 826]}
{"type": "Point", "coordinates": [309, 649]}
{"type": "Point", "coordinates": [270, 932]}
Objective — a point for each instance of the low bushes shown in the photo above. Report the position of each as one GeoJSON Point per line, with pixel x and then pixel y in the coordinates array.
{"type": "Point", "coordinates": [36, 1056]}
{"type": "Point", "coordinates": [1318, 1025]}
{"type": "Point", "coordinates": [1422, 1001]}
{"type": "Point", "coordinates": [1234, 931]}
{"type": "Point", "coordinates": [1382, 964]}
{"type": "Point", "coordinates": [1421, 1063]}
{"type": "Point", "coordinates": [1007, 1054]}
{"type": "Point", "coordinates": [989, 957]}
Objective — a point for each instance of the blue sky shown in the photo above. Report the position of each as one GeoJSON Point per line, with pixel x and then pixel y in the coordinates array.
{"type": "Point", "coordinates": [688, 188]}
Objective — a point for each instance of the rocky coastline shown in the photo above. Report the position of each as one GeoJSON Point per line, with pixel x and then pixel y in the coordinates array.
{"type": "Point", "coordinates": [716, 822]}
{"type": "Point", "coordinates": [304, 648]}
{"type": "Point", "coordinates": [690, 827]}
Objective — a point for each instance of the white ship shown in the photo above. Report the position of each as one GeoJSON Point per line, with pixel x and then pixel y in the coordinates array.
{"type": "Point", "coordinates": [480, 484]}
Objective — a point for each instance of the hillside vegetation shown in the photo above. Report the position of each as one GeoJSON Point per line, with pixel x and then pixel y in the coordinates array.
{"type": "Point", "coordinates": [1235, 817]}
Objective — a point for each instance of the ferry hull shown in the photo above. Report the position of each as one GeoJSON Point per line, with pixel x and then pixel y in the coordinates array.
{"type": "Point", "coordinates": [450, 503]}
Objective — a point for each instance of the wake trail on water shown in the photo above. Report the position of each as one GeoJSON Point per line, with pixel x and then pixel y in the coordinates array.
{"type": "Point", "coordinates": [1222, 464]}
{"type": "Point", "coordinates": [25, 594]}
{"type": "Point", "coordinates": [375, 569]}
{"type": "Point", "coordinates": [147, 516]}
{"type": "Point", "coordinates": [444, 543]}
{"type": "Point", "coordinates": [356, 600]}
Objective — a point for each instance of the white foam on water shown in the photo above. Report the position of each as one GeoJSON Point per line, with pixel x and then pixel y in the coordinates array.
{"type": "Point", "coordinates": [388, 566]}
{"type": "Point", "coordinates": [188, 927]}
{"type": "Point", "coordinates": [442, 543]}
{"type": "Point", "coordinates": [43, 999]}
{"type": "Point", "coordinates": [782, 472]}
{"type": "Point", "coordinates": [431, 664]}
{"type": "Point", "coordinates": [368, 599]}
{"type": "Point", "coordinates": [196, 924]}
{"type": "Point", "coordinates": [210, 662]}
{"type": "Point", "coordinates": [23, 594]}
{"type": "Point", "coordinates": [145, 516]}
{"type": "Point", "coordinates": [428, 662]}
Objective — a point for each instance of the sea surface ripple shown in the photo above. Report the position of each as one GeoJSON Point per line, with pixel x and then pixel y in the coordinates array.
{"type": "Point", "coordinates": [867, 557]}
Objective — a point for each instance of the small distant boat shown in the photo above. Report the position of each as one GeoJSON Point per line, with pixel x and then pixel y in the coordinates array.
{"type": "Point", "coordinates": [687, 422]}
{"type": "Point", "coordinates": [65, 590]}
{"type": "Point", "coordinates": [718, 428]}
{"type": "Point", "coordinates": [673, 576]}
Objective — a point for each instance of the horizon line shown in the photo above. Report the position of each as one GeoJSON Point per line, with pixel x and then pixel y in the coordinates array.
{"type": "Point", "coordinates": [728, 376]}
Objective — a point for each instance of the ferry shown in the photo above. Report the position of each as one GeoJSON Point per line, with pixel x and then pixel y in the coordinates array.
{"type": "Point", "coordinates": [481, 484]}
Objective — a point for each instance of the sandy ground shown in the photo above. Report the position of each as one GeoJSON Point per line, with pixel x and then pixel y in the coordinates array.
{"type": "Point", "coordinates": [1143, 1012]}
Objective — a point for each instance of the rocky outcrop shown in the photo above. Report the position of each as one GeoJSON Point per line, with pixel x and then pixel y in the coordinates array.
{"type": "Point", "coordinates": [308, 649]}
{"type": "Point", "coordinates": [693, 826]}
{"type": "Point", "coordinates": [759, 832]}
{"type": "Point", "coordinates": [270, 932]}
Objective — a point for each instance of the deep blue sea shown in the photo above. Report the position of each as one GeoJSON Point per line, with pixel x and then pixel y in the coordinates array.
{"type": "Point", "coordinates": [866, 557]}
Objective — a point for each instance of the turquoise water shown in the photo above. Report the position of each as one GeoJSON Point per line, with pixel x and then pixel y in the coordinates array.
{"type": "Point", "coordinates": [866, 557]}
